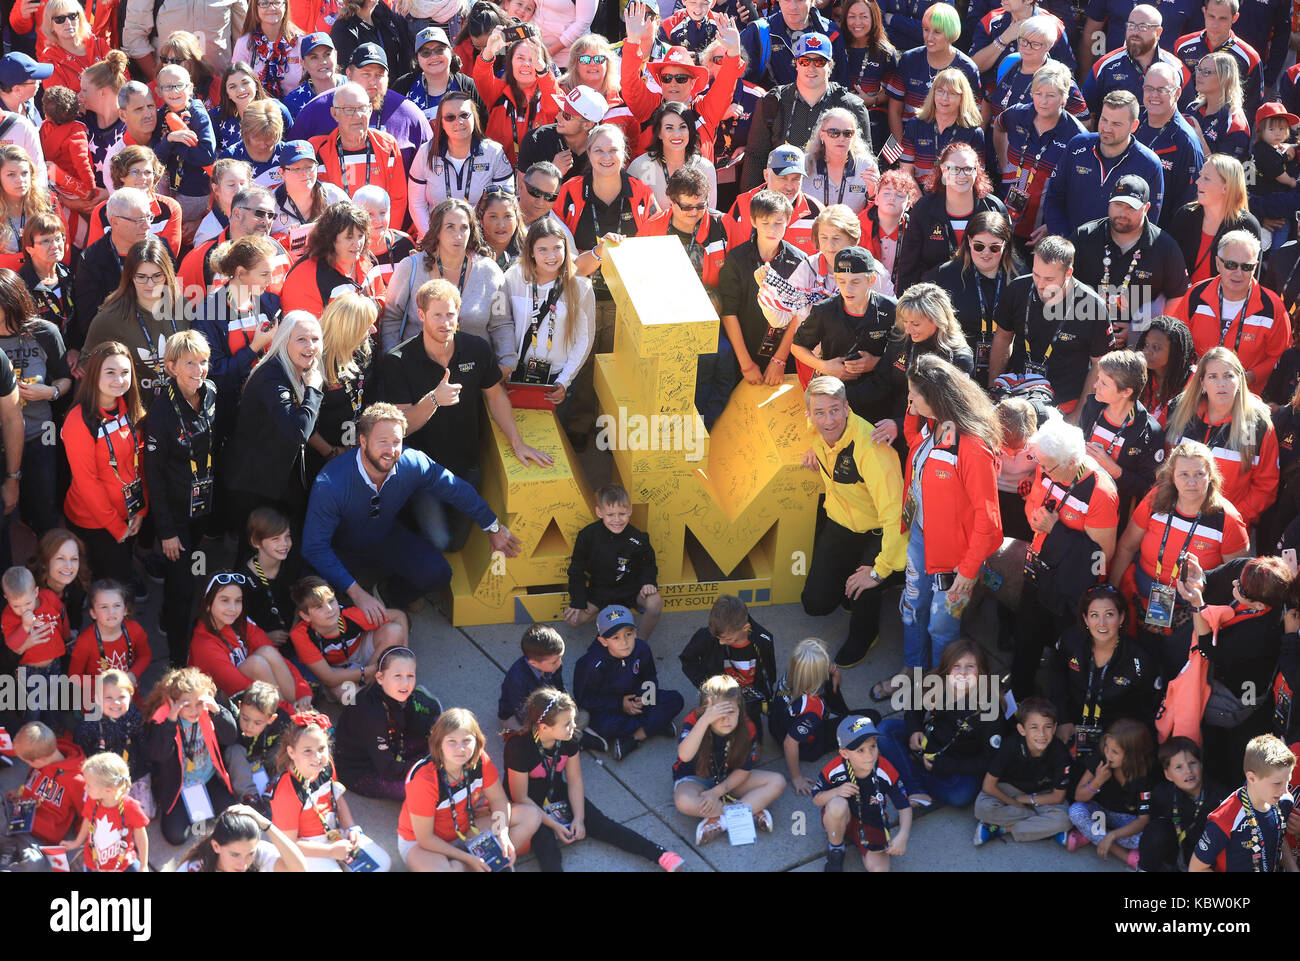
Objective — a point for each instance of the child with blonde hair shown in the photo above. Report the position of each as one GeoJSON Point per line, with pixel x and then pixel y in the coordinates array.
{"type": "Point", "coordinates": [113, 832]}
{"type": "Point", "coordinates": [807, 707]}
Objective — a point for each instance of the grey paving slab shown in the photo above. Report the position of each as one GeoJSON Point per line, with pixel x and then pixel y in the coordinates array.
{"type": "Point", "coordinates": [596, 856]}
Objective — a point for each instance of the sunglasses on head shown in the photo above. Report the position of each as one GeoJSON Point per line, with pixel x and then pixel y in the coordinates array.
{"type": "Point", "coordinates": [1233, 265]}
{"type": "Point", "coordinates": [65, 17]}
{"type": "Point", "coordinates": [979, 247]}
{"type": "Point", "coordinates": [225, 579]}
{"type": "Point", "coordinates": [540, 194]}
{"type": "Point", "coordinates": [596, 58]}
{"type": "Point", "coordinates": [497, 190]}
{"type": "Point", "coordinates": [675, 78]}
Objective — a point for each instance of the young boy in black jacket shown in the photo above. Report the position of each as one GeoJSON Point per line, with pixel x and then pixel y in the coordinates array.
{"type": "Point", "coordinates": [539, 666]}
{"type": "Point", "coordinates": [1180, 805]}
{"type": "Point", "coordinates": [251, 761]}
{"type": "Point", "coordinates": [613, 563]}
{"type": "Point", "coordinates": [736, 645]}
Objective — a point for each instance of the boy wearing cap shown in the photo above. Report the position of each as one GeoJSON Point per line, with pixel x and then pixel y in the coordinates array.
{"type": "Point", "coordinates": [320, 72]}
{"type": "Point", "coordinates": [564, 143]}
{"type": "Point", "coordinates": [851, 791]}
{"type": "Point", "coordinates": [617, 684]}
{"type": "Point", "coordinates": [18, 86]}
{"type": "Point", "coordinates": [852, 327]}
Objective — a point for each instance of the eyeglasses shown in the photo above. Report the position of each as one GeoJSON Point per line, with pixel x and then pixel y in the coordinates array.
{"type": "Point", "coordinates": [173, 61]}
{"type": "Point", "coordinates": [134, 221]}
{"type": "Point", "coordinates": [836, 134]}
{"type": "Point", "coordinates": [1235, 265]}
{"type": "Point", "coordinates": [1205, 71]}
{"type": "Point", "coordinates": [959, 171]}
{"type": "Point", "coordinates": [65, 17]}
{"type": "Point", "coordinates": [224, 579]}
{"type": "Point", "coordinates": [1141, 26]}
{"type": "Point", "coordinates": [540, 194]}
{"type": "Point", "coordinates": [812, 61]}
{"type": "Point", "coordinates": [171, 87]}
{"type": "Point", "coordinates": [149, 278]}
{"type": "Point", "coordinates": [431, 50]}
{"type": "Point", "coordinates": [1165, 90]}
{"type": "Point", "coordinates": [259, 213]}
{"type": "Point", "coordinates": [362, 111]}
{"type": "Point", "coordinates": [675, 78]}
{"type": "Point", "coordinates": [596, 58]}
{"type": "Point", "coordinates": [979, 247]}
{"type": "Point", "coordinates": [374, 505]}
{"type": "Point", "coordinates": [1034, 45]}
{"type": "Point", "coordinates": [691, 208]}
{"type": "Point", "coordinates": [269, 4]}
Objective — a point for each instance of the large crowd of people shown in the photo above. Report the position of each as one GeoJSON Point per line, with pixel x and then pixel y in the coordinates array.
{"type": "Point", "coordinates": [266, 265]}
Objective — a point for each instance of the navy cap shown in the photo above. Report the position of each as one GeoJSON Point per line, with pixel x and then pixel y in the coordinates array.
{"type": "Point", "coordinates": [431, 35]}
{"type": "Point", "coordinates": [291, 151]}
{"type": "Point", "coordinates": [786, 159]}
{"type": "Point", "coordinates": [367, 54]}
{"type": "Point", "coordinates": [1132, 190]}
{"type": "Point", "coordinates": [853, 730]}
{"type": "Point", "coordinates": [16, 68]}
{"type": "Point", "coordinates": [314, 40]}
{"type": "Point", "coordinates": [612, 618]}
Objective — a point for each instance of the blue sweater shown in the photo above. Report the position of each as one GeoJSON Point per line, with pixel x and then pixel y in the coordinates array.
{"type": "Point", "coordinates": [1077, 194]}
{"type": "Point", "coordinates": [185, 165]}
{"type": "Point", "coordinates": [338, 514]}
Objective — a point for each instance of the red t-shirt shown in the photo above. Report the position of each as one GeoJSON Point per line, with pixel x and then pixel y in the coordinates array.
{"type": "Point", "coordinates": [127, 652]}
{"type": "Point", "coordinates": [1203, 269]}
{"type": "Point", "coordinates": [1213, 538]}
{"type": "Point", "coordinates": [48, 609]}
{"type": "Point", "coordinates": [338, 650]}
{"type": "Point", "coordinates": [312, 816]}
{"type": "Point", "coordinates": [110, 846]}
{"type": "Point", "coordinates": [424, 798]}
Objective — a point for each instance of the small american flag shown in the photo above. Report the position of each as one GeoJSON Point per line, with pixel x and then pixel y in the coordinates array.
{"type": "Point", "coordinates": [891, 151]}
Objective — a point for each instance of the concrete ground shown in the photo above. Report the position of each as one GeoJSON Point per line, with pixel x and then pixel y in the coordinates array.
{"type": "Point", "coordinates": [464, 667]}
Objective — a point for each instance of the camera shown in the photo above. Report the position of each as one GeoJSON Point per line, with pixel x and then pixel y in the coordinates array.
{"type": "Point", "coordinates": [518, 31]}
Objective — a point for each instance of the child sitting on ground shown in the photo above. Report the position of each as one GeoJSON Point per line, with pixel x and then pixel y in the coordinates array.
{"type": "Point", "coordinates": [1244, 833]}
{"type": "Point", "coordinates": [1180, 805]}
{"type": "Point", "coordinates": [117, 729]}
{"type": "Point", "coordinates": [613, 563]}
{"type": "Point", "coordinates": [851, 792]}
{"type": "Point", "coordinates": [807, 707]}
{"type": "Point", "coordinates": [252, 761]}
{"type": "Point", "coordinates": [736, 645]}
{"type": "Point", "coordinates": [113, 831]}
{"type": "Point", "coordinates": [341, 646]}
{"type": "Point", "coordinates": [617, 684]}
{"type": "Point", "coordinates": [1117, 786]}
{"type": "Point", "coordinates": [55, 789]}
{"type": "Point", "coordinates": [539, 666]}
{"type": "Point", "coordinates": [1024, 790]}
{"type": "Point", "coordinates": [716, 755]}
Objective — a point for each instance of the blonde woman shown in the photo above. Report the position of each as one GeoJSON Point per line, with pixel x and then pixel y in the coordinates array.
{"type": "Point", "coordinates": [347, 325]}
{"type": "Point", "coordinates": [593, 63]}
{"type": "Point", "coordinates": [835, 228]}
{"type": "Point", "coordinates": [1221, 206]}
{"type": "Point", "coordinates": [924, 323]}
{"type": "Point", "coordinates": [22, 198]}
{"type": "Point", "coordinates": [229, 177]}
{"type": "Point", "coordinates": [1216, 114]}
{"type": "Point", "coordinates": [270, 46]}
{"type": "Point", "coordinates": [839, 166]}
{"type": "Point", "coordinates": [71, 46]}
{"type": "Point", "coordinates": [950, 114]}
{"type": "Point", "coordinates": [1217, 409]}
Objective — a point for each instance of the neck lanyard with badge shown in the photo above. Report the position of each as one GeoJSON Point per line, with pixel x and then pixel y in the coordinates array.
{"type": "Point", "coordinates": [984, 346]}
{"type": "Point", "coordinates": [558, 809]}
{"type": "Point", "coordinates": [1163, 597]}
{"type": "Point", "coordinates": [1177, 817]}
{"type": "Point", "coordinates": [200, 483]}
{"type": "Point", "coordinates": [535, 369]}
{"type": "Point", "coordinates": [482, 844]}
{"type": "Point", "coordinates": [190, 746]}
{"type": "Point", "coordinates": [62, 305]}
{"type": "Point", "coordinates": [464, 176]}
{"type": "Point", "coordinates": [155, 360]}
{"type": "Point", "coordinates": [1018, 193]}
{"type": "Point", "coordinates": [133, 492]}
{"type": "Point", "coordinates": [1227, 322]}
{"type": "Point", "coordinates": [1040, 369]}
{"type": "Point", "coordinates": [1117, 435]}
{"type": "Point", "coordinates": [1250, 819]}
{"type": "Point", "coordinates": [589, 199]}
{"type": "Point", "coordinates": [1113, 296]}
{"type": "Point", "coordinates": [876, 794]}
{"type": "Point", "coordinates": [1087, 736]}
{"type": "Point", "coordinates": [266, 586]}
{"type": "Point", "coordinates": [824, 170]}
{"type": "Point", "coordinates": [104, 663]}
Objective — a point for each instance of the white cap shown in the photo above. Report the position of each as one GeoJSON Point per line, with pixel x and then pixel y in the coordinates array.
{"type": "Point", "coordinates": [586, 103]}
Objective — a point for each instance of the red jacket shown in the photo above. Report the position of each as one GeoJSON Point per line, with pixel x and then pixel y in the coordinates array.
{"type": "Point", "coordinates": [310, 285]}
{"type": "Point", "coordinates": [130, 652]}
{"type": "Point", "coordinates": [67, 147]}
{"type": "Point", "coordinates": [710, 106]}
{"type": "Point", "coordinates": [959, 491]}
{"type": "Point", "coordinates": [570, 204]}
{"type": "Point", "coordinates": [198, 276]}
{"type": "Point", "coordinates": [61, 791]}
{"type": "Point", "coordinates": [1257, 334]}
{"type": "Point", "coordinates": [711, 235]}
{"type": "Point", "coordinates": [1252, 489]}
{"type": "Point", "coordinates": [95, 499]}
{"type": "Point", "coordinates": [508, 122]}
{"type": "Point", "coordinates": [220, 657]}
{"type": "Point", "coordinates": [311, 16]}
{"type": "Point", "coordinates": [68, 66]}
{"type": "Point", "coordinates": [799, 232]}
{"type": "Point", "coordinates": [381, 165]}
{"type": "Point", "coordinates": [166, 213]}
{"type": "Point", "coordinates": [103, 14]}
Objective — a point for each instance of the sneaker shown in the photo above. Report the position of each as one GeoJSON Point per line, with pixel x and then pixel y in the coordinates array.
{"type": "Point", "coordinates": [1132, 860]}
{"type": "Point", "coordinates": [672, 862]}
{"type": "Point", "coordinates": [672, 730]}
{"type": "Point", "coordinates": [834, 860]}
{"type": "Point", "coordinates": [763, 821]}
{"type": "Point", "coordinates": [139, 590]}
{"type": "Point", "coordinates": [1063, 839]}
{"type": "Point", "coordinates": [986, 832]}
{"type": "Point", "coordinates": [707, 830]}
{"type": "Point", "coordinates": [1075, 841]}
{"type": "Point", "coordinates": [625, 746]}
{"type": "Point", "coordinates": [155, 567]}
{"type": "Point", "coordinates": [591, 741]}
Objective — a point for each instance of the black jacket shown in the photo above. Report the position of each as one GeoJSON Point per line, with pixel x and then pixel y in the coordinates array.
{"type": "Point", "coordinates": [1185, 227]}
{"type": "Point", "coordinates": [963, 289]}
{"type": "Point", "coordinates": [1248, 649]}
{"type": "Point", "coordinates": [59, 311]}
{"type": "Point", "coordinates": [388, 30]}
{"type": "Point", "coordinates": [782, 116]}
{"type": "Point", "coordinates": [957, 741]}
{"type": "Point", "coordinates": [121, 737]}
{"type": "Point", "coordinates": [97, 276]}
{"type": "Point", "coordinates": [882, 393]}
{"type": "Point", "coordinates": [1139, 451]}
{"type": "Point", "coordinates": [929, 239]}
{"type": "Point", "coordinates": [377, 735]}
{"type": "Point", "coordinates": [175, 434]}
{"type": "Point", "coordinates": [609, 566]}
{"type": "Point", "coordinates": [702, 658]}
{"type": "Point", "coordinates": [1129, 685]}
{"type": "Point", "coordinates": [166, 763]}
{"type": "Point", "coordinates": [265, 453]}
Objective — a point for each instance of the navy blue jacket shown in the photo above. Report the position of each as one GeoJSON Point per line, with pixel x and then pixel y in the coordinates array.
{"type": "Point", "coordinates": [1179, 151]}
{"type": "Point", "coordinates": [520, 681]}
{"type": "Point", "coordinates": [601, 681]}
{"type": "Point", "coordinates": [780, 66]}
{"type": "Point", "coordinates": [1077, 192]}
{"type": "Point", "coordinates": [186, 176]}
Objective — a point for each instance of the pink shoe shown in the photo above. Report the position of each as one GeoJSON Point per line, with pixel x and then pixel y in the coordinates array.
{"type": "Point", "coordinates": [1132, 859]}
{"type": "Point", "coordinates": [671, 862]}
{"type": "Point", "coordinates": [1075, 841]}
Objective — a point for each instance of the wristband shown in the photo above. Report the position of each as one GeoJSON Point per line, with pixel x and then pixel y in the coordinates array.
{"type": "Point", "coordinates": [1197, 610]}
{"type": "Point", "coordinates": [777, 361]}
{"type": "Point", "coordinates": [593, 253]}
{"type": "Point", "coordinates": [1000, 42]}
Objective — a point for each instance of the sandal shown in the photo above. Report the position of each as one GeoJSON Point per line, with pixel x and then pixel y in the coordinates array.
{"type": "Point", "coordinates": [884, 690]}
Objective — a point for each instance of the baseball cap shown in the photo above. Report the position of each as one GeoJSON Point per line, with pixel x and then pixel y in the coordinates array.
{"type": "Point", "coordinates": [1132, 190]}
{"type": "Point", "coordinates": [1273, 108]}
{"type": "Point", "coordinates": [16, 68]}
{"type": "Point", "coordinates": [369, 53]}
{"type": "Point", "coordinates": [291, 151]}
{"type": "Point", "coordinates": [314, 40]}
{"type": "Point", "coordinates": [854, 260]}
{"type": "Point", "coordinates": [853, 730]}
{"type": "Point", "coordinates": [585, 102]}
{"type": "Point", "coordinates": [785, 159]}
{"type": "Point", "coordinates": [431, 35]}
{"type": "Point", "coordinates": [813, 45]}
{"type": "Point", "coordinates": [612, 618]}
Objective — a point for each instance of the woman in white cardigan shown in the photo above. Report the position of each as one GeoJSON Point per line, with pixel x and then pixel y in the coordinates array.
{"type": "Point", "coordinates": [562, 22]}
{"type": "Point", "coordinates": [554, 311]}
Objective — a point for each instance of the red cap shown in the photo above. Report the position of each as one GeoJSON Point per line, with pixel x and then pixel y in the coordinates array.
{"type": "Point", "coordinates": [1274, 108]}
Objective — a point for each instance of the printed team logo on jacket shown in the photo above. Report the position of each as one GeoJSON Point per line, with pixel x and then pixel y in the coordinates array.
{"type": "Point", "coordinates": [45, 788]}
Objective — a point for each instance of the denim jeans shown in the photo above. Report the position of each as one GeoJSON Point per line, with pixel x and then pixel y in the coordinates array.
{"type": "Point", "coordinates": [928, 625]}
{"type": "Point", "coordinates": [716, 377]}
{"type": "Point", "coordinates": [957, 790]}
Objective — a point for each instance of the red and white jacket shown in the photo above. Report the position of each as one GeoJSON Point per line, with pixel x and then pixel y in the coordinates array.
{"type": "Point", "coordinates": [1258, 333]}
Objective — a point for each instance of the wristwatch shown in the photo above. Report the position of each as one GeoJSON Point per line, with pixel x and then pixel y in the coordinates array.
{"type": "Point", "coordinates": [492, 528]}
{"type": "Point", "coordinates": [15, 475]}
{"type": "Point", "coordinates": [875, 577]}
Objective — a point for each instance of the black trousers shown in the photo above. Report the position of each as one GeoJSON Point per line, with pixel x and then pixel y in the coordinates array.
{"type": "Point", "coordinates": [180, 585]}
{"type": "Point", "coordinates": [547, 845]}
{"type": "Point", "coordinates": [1032, 626]}
{"type": "Point", "coordinates": [837, 553]}
{"type": "Point", "coordinates": [1158, 847]}
{"type": "Point", "coordinates": [106, 556]}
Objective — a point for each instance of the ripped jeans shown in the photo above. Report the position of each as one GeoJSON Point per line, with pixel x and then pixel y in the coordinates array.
{"type": "Point", "coordinates": [928, 625]}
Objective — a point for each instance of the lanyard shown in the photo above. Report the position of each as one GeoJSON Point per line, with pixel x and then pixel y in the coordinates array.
{"type": "Point", "coordinates": [826, 180]}
{"type": "Point", "coordinates": [465, 781]}
{"type": "Point", "coordinates": [1092, 699]}
{"type": "Point", "coordinates": [370, 153]}
{"type": "Point", "coordinates": [540, 310]}
{"type": "Point", "coordinates": [466, 174]}
{"type": "Point", "coordinates": [1258, 855]}
{"type": "Point", "coordinates": [876, 793]}
{"type": "Point", "coordinates": [464, 266]}
{"type": "Point", "coordinates": [190, 745]}
{"type": "Point", "coordinates": [266, 586]}
{"type": "Point", "coordinates": [187, 437]}
{"type": "Point", "coordinates": [130, 648]}
{"type": "Point", "coordinates": [1128, 274]}
{"type": "Point", "coordinates": [1117, 436]}
{"type": "Point", "coordinates": [62, 305]}
{"type": "Point", "coordinates": [154, 360]}
{"type": "Point", "coordinates": [590, 202]}
{"type": "Point", "coordinates": [1240, 319]}
{"type": "Point", "coordinates": [305, 791]}
{"type": "Point", "coordinates": [986, 315]}
{"type": "Point", "coordinates": [1022, 168]}
{"type": "Point", "coordinates": [112, 454]}
{"type": "Point", "coordinates": [512, 113]}
{"type": "Point", "coordinates": [1196, 814]}
{"type": "Point", "coordinates": [551, 769]}
{"type": "Point", "coordinates": [1164, 540]}
{"type": "Point", "coordinates": [1029, 355]}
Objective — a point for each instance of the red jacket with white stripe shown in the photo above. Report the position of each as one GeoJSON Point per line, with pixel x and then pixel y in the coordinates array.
{"type": "Point", "coordinates": [799, 233]}
{"type": "Point", "coordinates": [1251, 488]}
{"type": "Point", "coordinates": [1257, 334]}
{"type": "Point", "coordinates": [959, 494]}
{"type": "Point", "coordinates": [711, 235]}
{"type": "Point", "coordinates": [381, 165]}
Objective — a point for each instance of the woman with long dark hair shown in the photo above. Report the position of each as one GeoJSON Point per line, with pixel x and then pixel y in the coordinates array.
{"type": "Point", "coordinates": [871, 60]}
{"type": "Point", "coordinates": [335, 261]}
{"type": "Point", "coordinates": [457, 162]}
{"type": "Point", "coordinates": [675, 143]}
{"type": "Point", "coordinates": [1171, 357]}
{"type": "Point", "coordinates": [235, 846]}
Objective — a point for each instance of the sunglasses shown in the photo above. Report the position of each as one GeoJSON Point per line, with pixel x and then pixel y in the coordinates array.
{"type": "Point", "coordinates": [691, 208]}
{"type": "Point", "coordinates": [675, 78]}
{"type": "Point", "coordinates": [431, 50]}
{"type": "Point", "coordinates": [173, 61]}
{"type": "Point", "coordinates": [258, 213]}
{"type": "Point", "coordinates": [224, 579]}
{"type": "Point", "coordinates": [374, 505]}
{"type": "Point", "coordinates": [1232, 265]}
{"type": "Point", "coordinates": [464, 116]}
{"type": "Point", "coordinates": [979, 247]}
{"type": "Point", "coordinates": [539, 193]}
{"type": "Point", "coordinates": [497, 190]}
{"type": "Point", "coordinates": [812, 61]}
{"type": "Point", "coordinates": [65, 17]}
{"type": "Point", "coordinates": [838, 134]}
{"type": "Point", "coordinates": [596, 58]}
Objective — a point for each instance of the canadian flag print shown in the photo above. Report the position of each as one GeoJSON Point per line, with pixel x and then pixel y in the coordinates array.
{"type": "Point", "coordinates": [57, 857]}
{"type": "Point", "coordinates": [107, 842]}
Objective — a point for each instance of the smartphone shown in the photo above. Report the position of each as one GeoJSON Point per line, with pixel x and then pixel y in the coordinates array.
{"type": "Point", "coordinates": [518, 31]}
{"type": "Point", "coordinates": [1289, 556]}
{"type": "Point", "coordinates": [855, 355]}
{"type": "Point", "coordinates": [943, 582]}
